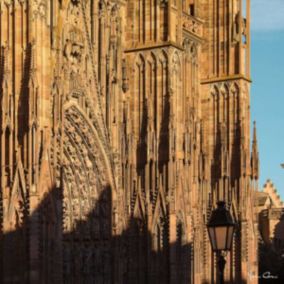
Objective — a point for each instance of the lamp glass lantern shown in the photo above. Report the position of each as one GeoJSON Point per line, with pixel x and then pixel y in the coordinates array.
{"type": "Point", "coordinates": [221, 228]}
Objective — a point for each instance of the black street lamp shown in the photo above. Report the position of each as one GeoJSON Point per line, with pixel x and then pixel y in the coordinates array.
{"type": "Point", "coordinates": [221, 230]}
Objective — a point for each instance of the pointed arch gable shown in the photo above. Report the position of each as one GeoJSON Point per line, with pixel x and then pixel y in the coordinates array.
{"type": "Point", "coordinates": [91, 137]}
{"type": "Point", "coordinates": [214, 90]}
{"type": "Point", "coordinates": [160, 209]}
{"type": "Point", "coordinates": [234, 88]}
{"type": "Point", "coordinates": [139, 208]}
{"type": "Point", "coordinates": [18, 193]}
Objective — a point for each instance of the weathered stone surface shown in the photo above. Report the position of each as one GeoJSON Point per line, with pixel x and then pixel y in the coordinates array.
{"type": "Point", "coordinates": [122, 123]}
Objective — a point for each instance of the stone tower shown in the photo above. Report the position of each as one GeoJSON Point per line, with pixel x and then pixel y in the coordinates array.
{"type": "Point", "coordinates": [230, 171]}
{"type": "Point", "coordinates": [122, 123]}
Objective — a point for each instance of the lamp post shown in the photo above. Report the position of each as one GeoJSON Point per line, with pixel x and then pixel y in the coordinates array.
{"type": "Point", "coordinates": [221, 230]}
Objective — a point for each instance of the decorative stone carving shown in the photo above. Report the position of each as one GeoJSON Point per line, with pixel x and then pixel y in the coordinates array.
{"type": "Point", "coordinates": [143, 133]}
{"type": "Point", "coordinates": [74, 50]}
{"type": "Point", "coordinates": [73, 12]}
{"type": "Point", "coordinates": [192, 25]}
{"type": "Point", "coordinates": [39, 8]}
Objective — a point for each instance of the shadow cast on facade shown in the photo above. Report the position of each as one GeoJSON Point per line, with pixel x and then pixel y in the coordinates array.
{"type": "Point", "coordinates": [40, 250]}
{"type": "Point", "coordinates": [271, 252]}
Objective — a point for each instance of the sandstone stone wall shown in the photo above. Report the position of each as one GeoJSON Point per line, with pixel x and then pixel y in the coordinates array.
{"type": "Point", "coordinates": [122, 124]}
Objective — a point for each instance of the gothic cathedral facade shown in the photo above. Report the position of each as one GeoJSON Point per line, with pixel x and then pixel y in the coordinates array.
{"type": "Point", "coordinates": [123, 122]}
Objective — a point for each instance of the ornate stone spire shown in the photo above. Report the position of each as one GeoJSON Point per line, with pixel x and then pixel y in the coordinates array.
{"type": "Point", "coordinates": [254, 155]}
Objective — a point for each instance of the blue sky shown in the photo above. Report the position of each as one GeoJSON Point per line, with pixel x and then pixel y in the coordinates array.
{"type": "Point", "coordinates": [267, 93]}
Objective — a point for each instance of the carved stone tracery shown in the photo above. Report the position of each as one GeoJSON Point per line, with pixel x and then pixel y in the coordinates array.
{"type": "Point", "coordinates": [134, 155]}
